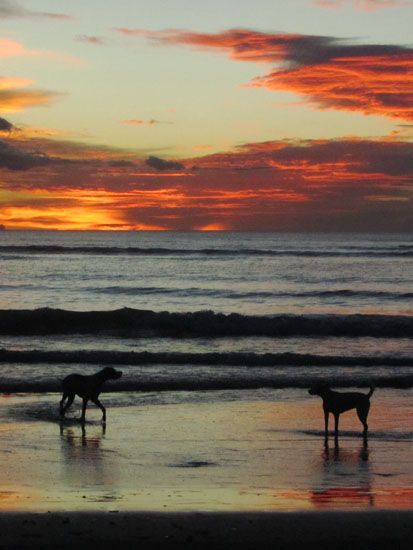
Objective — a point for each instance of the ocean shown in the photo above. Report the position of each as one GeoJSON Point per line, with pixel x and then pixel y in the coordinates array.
{"type": "Point", "coordinates": [219, 336]}
{"type": "Point", "coordinates": [206, 310]}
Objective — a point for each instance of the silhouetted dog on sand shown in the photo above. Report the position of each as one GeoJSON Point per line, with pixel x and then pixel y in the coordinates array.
{"type": "Point", "coordinates": [88, 388]}
{"type": "Point", "coordinates": [337, 403]}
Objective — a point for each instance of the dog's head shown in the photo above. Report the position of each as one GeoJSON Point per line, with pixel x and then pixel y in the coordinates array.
{"type": "Point", "coordinates": [319, 389]}
{"type": "Point", "coordinates": [111, 374]}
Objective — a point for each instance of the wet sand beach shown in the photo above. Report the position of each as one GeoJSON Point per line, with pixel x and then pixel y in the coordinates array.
{"type": "Point", "coordinates": [200, 469]}
{"type": "Point", "coordinates": [220, 451]}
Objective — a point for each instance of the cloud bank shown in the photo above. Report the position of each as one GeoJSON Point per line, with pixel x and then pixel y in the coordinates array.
{"type": "Point", "coordinates": [316, 185]}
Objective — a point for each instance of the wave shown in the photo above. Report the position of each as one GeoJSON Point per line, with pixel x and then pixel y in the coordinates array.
{"type": "Point", "coordinates": [186, 358]}
{"type": "Point", "coordinates": [227, 383]}
{"type": "Point", "coordinates": [345, 293]}
{"type": "Point", "coordinates": [226, 293]}
{"type": "Point", "coordinates": [129, 322]}
{"type": "Point", "coordinates": [406, 251]}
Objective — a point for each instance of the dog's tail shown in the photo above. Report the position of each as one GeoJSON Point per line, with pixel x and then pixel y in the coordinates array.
{"type": "Point", "coordinates": [372, 388]}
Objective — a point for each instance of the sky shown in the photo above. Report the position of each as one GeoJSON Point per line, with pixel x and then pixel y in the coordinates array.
{"type": "Point", "coordinates": [272, 115]}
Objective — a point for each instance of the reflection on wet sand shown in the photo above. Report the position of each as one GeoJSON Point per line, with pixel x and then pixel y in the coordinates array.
{"type": "Point", "coordinates": [266, 455]}
{"type": "Point", "coordinates": [352, 469]}
{"type": "Point", "coordinates": [85, 461]}
{"type": "Point", "coordinates": [74, 440]}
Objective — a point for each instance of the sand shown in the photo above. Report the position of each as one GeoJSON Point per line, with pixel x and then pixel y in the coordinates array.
{"type": "Point", "coordinates": [205, 451]}
{"type": "Point", "coordinates": [338, 530]}
{"type": "Point", "coordinates": [205, 469]}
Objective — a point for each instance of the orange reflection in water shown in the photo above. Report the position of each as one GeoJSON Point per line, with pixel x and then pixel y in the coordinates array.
{"type": "Point", "coordinates": [336, 497]}
{"type": "Point", "coordinates": [17, 498]}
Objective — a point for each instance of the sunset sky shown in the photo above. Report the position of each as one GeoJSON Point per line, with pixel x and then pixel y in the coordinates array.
{"type": "Point", "coordinates": [273, 115]}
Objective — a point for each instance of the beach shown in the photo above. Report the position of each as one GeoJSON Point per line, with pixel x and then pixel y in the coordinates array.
{"type": "Point", "coordinates": [204, 470]}
{"type": "Point", "coordinates": [212, 438]}
{"type": "Point", "coordinates": [216, 451]}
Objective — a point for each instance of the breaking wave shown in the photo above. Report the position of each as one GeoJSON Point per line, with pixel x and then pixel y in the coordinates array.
{"type": "Point", "coordinates": [185, 358]}
{"type": "Point", "coordinates": [217, 293]}
{"type": "Point", "coordinates": [398, 251]}
{"type": "Point", "coordinates": [135, 323]}
{"type": "Point", "coordinates": [224, 383]}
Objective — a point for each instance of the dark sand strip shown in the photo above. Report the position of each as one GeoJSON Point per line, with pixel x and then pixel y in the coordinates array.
{"type": "Point", "coordinates": [275, 530]}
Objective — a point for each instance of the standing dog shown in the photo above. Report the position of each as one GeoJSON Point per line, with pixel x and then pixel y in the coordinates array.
{"type": "Point", "coordinates": [337, 403]}
{"type": "Point", "coordinates": [88, 388]}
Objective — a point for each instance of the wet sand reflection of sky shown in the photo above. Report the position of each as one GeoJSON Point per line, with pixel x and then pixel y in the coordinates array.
{"type": "Point", "coordinates": [211, 455]}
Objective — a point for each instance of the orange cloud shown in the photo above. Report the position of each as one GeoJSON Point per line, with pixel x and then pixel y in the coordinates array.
{"type": "Point", "coordinates": [366, 5]}
{"type": "Point", "coordinates": [319, 185]}
{"type": "Point", "coordinates": [14, 98]}
{"type": "Point", "coordinates": [140, 122]}
{"type": "Point", "coordinates": [13, 101]}
{"type": "Point", "coordinates": [7, 82]}
{"type": "Point", "coordinates": [12, 48]}
{"type": "Point", "coordinates": [330, 73]}
{"type": "Point", "coordinates": [212, 227]}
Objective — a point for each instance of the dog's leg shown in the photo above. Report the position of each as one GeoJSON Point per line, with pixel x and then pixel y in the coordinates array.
{"type": "Point", "coordinates": [336, 417]}
{"type": "Point", "coordinates": [326, 424]}
{"type": "Point", "coordinates": [362, 413]}
{"type": "Point", "coordinates": [64, 396]}
{"type": "Point", "coordinates": [101, 407]}
{"type": "Point", "coordinates": [63, 409]}
{"type": "Point", "coordinates": [84, 405]}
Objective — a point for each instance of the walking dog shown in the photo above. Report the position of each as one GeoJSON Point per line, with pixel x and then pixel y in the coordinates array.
{"type": "Point", "coordinates": [88, 388]}
{"type": "Point", "coordinates": [337, 403]}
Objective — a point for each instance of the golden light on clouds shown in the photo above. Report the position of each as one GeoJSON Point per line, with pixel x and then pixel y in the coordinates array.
{"type": "Point", "coordinates": [283, 185]}
{"type": "Point", "coordinates": [14, 97]}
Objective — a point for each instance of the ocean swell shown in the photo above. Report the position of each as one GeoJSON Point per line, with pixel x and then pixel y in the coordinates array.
{"type": "Point", "coordinates": [381, 252]}
{"type": "Point", "coordinates": [236, 295]}
{"type": "Point", "coordinates": [220, 358]}
{"type": "Point", "coordinates": [219, 384]}
{"type": "Point", "coordinates": [136, 323]}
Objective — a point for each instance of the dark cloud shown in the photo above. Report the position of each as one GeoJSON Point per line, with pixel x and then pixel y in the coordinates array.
{"type": "Point", "coordinates": [351, 158]}
{"type": "Point", "coordinates": [5, 125]}
{"type": "Point", "coordinates": [95, 40]}
{"type": "Point", "coordinates": [162, 165]}
{"type": "Point", "coordinates": [13, 158]}
{"type": "Point", "coordinates": [10, 10]}
{"type": "Point", "coordinates": [121, 164]}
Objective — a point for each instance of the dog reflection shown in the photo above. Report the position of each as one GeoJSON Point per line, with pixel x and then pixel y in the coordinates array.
{"type": "Point", "coordinates": [73, 441]}
{"type": "Point", "coordinates": [351, 469]}
{"type": "Point", "coordinates": [85, 462]}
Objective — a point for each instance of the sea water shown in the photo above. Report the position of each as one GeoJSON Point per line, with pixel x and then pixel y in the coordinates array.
{"type": "Point", "coordinates": [206, 310]}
